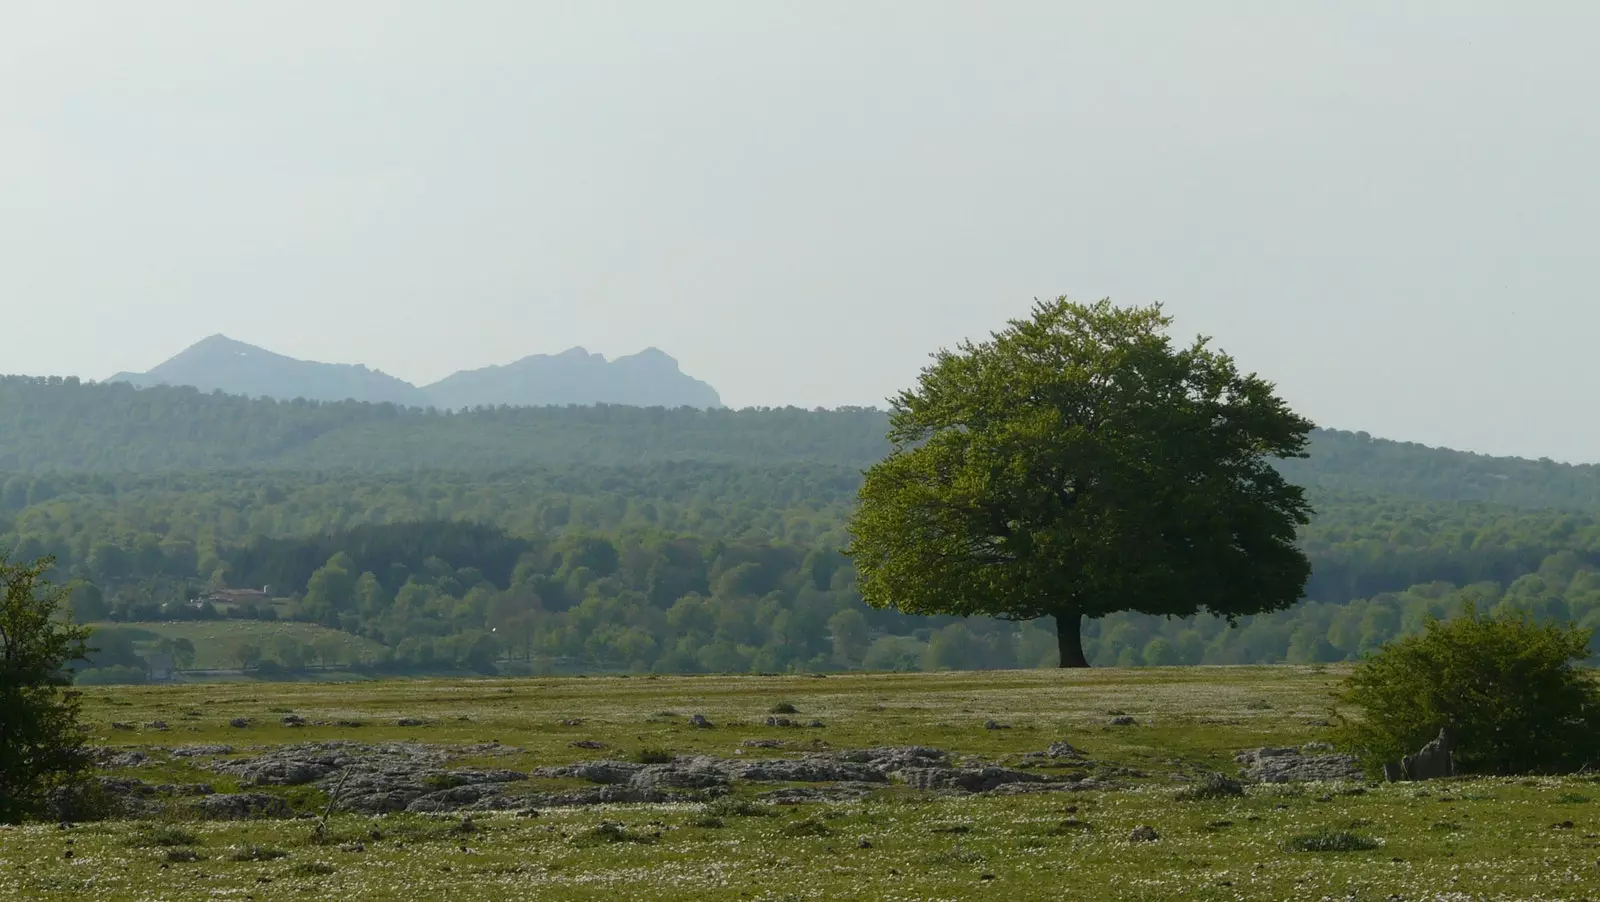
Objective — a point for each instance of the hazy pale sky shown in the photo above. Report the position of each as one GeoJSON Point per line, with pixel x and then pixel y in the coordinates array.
{"type": "Point", "coordinates": [1389, 208]}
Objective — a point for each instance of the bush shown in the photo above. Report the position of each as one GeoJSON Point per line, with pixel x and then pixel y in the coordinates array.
{"type": "Point", "coordinates": [1330, 841]}
{"type": "Point", "coordinates": [42, 741]}
{"type": "Point", "coordinates": [1213, 787]}
{"type": "Point", "coordinates": [257, 853]}
{"type": "Point", "coordinates": [732, 807]}
{"type": "Point", "coordinates": [1507, 687]}
{"type": "Point", "coordinates": [807, 827]}
{"type": "Point", "coordinates": [654, 756]}
{"type": "Point", "coordinates": [163, 835]}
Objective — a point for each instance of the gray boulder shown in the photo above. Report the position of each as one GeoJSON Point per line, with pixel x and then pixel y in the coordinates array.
{"type": "Point", "coordinates": [242, 805]}
{"type": "Point", "coordinates": [1291, 765]}
{"type": "Point", "coordinates": [964, 779]}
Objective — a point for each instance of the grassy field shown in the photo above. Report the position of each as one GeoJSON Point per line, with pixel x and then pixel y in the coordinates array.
{"type": "Point", "coordinates": [1456, 839]}
{"type": "Point", "coordinates": [213, 638]}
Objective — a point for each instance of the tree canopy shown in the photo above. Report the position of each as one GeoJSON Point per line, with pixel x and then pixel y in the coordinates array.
{"type": "Point", "coordinates": [1077, 464]}
{"type": "Point", "coordinates": [41, 742]}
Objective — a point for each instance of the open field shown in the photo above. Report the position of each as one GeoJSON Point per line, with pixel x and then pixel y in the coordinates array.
{"type": "Point", "coordinates": [213, 639]}
{"type": "Point", "coordinates": [1457, 839]}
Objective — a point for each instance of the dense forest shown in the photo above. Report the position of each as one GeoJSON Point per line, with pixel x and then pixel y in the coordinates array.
{"type": "Point", "coordinates": [635, 539]}
{"type": "Point", "coordinates": [59, 425]}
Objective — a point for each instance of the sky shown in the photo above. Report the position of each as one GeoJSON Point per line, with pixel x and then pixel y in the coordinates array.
{"type": "Point", "coordinates": [1388, 209]}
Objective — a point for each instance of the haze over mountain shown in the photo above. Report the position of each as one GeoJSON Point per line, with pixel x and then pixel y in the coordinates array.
{"type": "Point", "coordinates": [221, 364]}
{"type": "Point", "coordinates": [650, 378]}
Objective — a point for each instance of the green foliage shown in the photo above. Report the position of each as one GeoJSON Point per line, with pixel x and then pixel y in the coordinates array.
{"type": "Point", "coordinates": [610, 832]}
{"type": "Point", "coordinates": [1078, 464]}
{"type": "Point", "coordinates": [806, 827]}
{"type": "Point", "coordinates": [41, 739]}
{"type": "Point", "coordinates": [163, 835]}
{"type": "Point", "coordinates": [257, 853]}
{"type": "Point", "coordinates": [1507, 687]}
{"type": "Point", "coordinates": [1329, 840]}
{"type": "Point", "coordinates": [1211, 788]}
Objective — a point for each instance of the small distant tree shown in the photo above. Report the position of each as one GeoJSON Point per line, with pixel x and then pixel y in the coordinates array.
{"type": "Point", "coordinates": [182, 653]}
{"type": "Point", "coordinates": [1077, 464]}
{"type": "Point", "coordinates": [245, 654]}
{"type": "Point", "coordinates": [1508, 688]}
{"type": "Point", "coordinates": [41, 739]}
{"type": "Point", "coordinates": [330, 649]}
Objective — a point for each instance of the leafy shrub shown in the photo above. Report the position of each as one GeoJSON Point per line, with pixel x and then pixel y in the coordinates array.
{"type": "Point", "coordinates": [1507, 687]}
{"type": "Point", "coordinates": [784, 708]}
{"type": "Point", "coordinates": [611, 832]}
{"type": "Point", "coordinates": [1214, 786]}
{"type": "Point", "coordinates": [807, 827]}
{"type": "Point", "coordinates": [163, 836]}
{"type": "Point", "coordinates": [1329, 841]}
{"type": "Point", "coordinates": [653, 756]}
{"type": "Point", "coordinates": [312, 869]}
{"type": "Point", "coordinates": [183, 856]}
{"type": "Point", "coordinates": [257, 853]}
{"type": "Point", "coordinates": [730, 807]}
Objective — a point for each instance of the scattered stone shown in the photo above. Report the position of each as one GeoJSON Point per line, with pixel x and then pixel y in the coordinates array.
{"type": "Point", "coordinates": [572, 722]}
{"type": "Point", "coordinates": [409, 722]}
{"type": "Point", "coordinates": [293, 720]}
{"type": "Point", "coordinates": [815, 725]}
{"type": "Point", "coordinates": [239, 723]}
{"type": "Point", "coordinates": [1143, 833]}
{"type": "Point", "coordinates": [196, 751]}
{"type": "Point", "coordinates": [762, 743]}
{"type": "Point", "coordinates": [893, 758]}
{"type": "Point", "coordinates": [775, 721]}
{"type": "Point", "coordinates": [995, 725]}
{"type": "Point", "coordinates": [242, 805]}
{"type": "Point", "coordinates": [1289, 765]}
{"type": "Point", "coordinates": [699, 722]}
{"type": "Point", "coordinates": [118, 725]}
{"type": "Point", "coordinates": [1433, 761]}
{"type": "Point", "coordinates": [1123, 721]}
{"type": "Point", "coordinates": [125, 759]}
{"type": "Point", "coordinates": [348, 724]}
{"type": "Point", "coordinates": [800, 795]}
{"type": "Point", "coordinates": [591, 744]}
{"type": "Point", "coordinates": [810, 769]}
{"type": "Point", "coordinates": [964, 779]}
{"type": "Point", "coordinates": [157, 725]}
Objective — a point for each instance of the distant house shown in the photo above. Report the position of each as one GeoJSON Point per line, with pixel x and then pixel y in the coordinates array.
{"type": "Point", "coordinates": [160, 667]}
{"type": "Point", "coordinates": [244, 597]}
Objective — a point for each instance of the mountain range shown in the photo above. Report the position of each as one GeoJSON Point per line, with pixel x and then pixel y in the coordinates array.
{"type": "Point", "coordinates": [650, 378]}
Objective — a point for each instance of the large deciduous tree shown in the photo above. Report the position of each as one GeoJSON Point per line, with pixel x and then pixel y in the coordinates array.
{"type": "Point", "coordinates": [1076, 464]}
{"type": "Point", "coordinates": [41, 741]}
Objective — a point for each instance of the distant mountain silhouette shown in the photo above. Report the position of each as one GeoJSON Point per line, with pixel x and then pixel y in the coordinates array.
{"type": "Point", "coordinates": [649, 378]}
{"type": "Point", "coordinates": [221, 364]}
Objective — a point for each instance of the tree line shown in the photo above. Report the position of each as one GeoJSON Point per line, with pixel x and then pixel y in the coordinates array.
{"type": "Point", "coordinates": [54, 426]}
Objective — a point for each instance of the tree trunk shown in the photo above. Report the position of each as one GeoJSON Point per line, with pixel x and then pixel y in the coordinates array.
{"type": "Point", "coordinates": [1069, 636]}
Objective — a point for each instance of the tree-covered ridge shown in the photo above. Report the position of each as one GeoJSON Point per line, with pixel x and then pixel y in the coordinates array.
{"type": "Point", "coordinates": [145, 541]}
{"type": "Point", "coordinates": [62, 425]}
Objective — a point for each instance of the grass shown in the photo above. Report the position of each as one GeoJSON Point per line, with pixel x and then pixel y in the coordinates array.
{"type": "Point", "coordinates": [1480, 839]}
{"type": "Point", "coordinates": [213, 638]}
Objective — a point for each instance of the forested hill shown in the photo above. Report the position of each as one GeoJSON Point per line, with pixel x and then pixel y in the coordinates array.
{"type": "Point", "coordinates": [65, 425]}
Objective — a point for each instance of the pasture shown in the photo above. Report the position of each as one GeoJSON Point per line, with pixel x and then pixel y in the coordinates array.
{"type": "Point", "coordinates": [1536, 838]}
